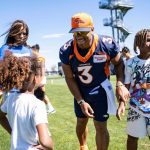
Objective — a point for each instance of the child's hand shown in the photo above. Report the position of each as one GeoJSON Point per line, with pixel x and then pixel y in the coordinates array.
{"type": "Point", "coordinates": [120, 110]}
{"type": "Point", "coordinates": [40, 147]}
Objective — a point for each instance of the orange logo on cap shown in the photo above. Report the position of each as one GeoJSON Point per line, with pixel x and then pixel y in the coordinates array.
{"type": "Point", "coordinates": [78, 20]}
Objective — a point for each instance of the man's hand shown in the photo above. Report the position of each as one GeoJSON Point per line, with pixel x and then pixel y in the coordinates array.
{"type": "Point", "coordinates": [87, 110]}
{"type": "Point", "coordinates": [122, 93]}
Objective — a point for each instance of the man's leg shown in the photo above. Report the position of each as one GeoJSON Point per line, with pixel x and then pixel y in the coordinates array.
{"type": "Point", "coordinates": [82, 130]}
{"type": "Point", "coordinates": [102, 135]}
{"type": "Point", "coordinates": [132, 143]}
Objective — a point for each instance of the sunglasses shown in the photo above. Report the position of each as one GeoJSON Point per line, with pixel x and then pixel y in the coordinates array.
{"type": "Point", "coordinates": [83, 33]}
{"type": "Point", "coordinates": [22, 33]}
{"type": "Point", "coordinates": [148, 39]}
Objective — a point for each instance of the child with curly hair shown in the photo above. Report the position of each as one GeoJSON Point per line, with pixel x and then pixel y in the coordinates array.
{"type": "Point", "coordinates": [26, 116]}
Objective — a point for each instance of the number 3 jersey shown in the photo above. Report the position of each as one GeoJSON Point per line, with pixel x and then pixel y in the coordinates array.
{"type": "Point", "coordinates": [90, 66]}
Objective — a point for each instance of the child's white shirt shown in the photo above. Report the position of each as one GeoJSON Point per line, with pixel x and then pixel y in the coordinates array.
{"type": "Point", "coordinates": [24, 112]}
{"type": "Point", "coordinates": [137, 72]}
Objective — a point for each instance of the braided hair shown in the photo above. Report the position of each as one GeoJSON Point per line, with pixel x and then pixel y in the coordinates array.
{"type": "Point", "coordinates": [140, 39]}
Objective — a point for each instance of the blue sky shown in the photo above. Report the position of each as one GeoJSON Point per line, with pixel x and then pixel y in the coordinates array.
{"type": "Point", "coordinates": [50, 20]}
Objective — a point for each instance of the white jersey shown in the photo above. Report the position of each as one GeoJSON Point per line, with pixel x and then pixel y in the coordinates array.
{"type": "Point", "coordinates": [137, 74]}
{"type": "Point", "coordinates": [24, 112]}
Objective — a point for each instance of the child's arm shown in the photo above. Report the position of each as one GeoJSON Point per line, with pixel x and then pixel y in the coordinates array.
{"type": "Point", "coordinates": [4, 122]}
{"type": "Point", "coordinates": [120, 110]}
{"type": "Point", "coordinates": [45, 140]}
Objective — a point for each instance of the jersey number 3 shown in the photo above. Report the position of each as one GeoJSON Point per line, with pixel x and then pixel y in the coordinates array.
{"type": "Point", "coordinates": [85, 76]}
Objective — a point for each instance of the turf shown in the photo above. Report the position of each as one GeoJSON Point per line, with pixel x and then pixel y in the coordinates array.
{"type": "Point", "coordinates": [62, 123]}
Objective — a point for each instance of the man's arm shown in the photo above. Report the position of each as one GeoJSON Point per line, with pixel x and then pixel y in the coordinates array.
{"type": "Point", "coordinates": [74, 89]}
{"type": "Point", "coordinates": [121, 91]}
{"type": "Point", "coordinates": [72, 85]}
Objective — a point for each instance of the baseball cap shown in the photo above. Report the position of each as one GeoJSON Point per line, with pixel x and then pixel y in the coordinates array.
{"type": "Point", "coordinates": [81, 22]}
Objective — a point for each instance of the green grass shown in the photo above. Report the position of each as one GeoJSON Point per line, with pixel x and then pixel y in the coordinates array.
{"type": "Point", "coordinates": [62, 123]}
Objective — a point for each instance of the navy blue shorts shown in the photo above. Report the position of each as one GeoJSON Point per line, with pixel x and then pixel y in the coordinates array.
{"type": "Point", "coordinates": [98, 102]}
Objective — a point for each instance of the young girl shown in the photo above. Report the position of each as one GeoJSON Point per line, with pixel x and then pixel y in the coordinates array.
{"type": "Point", "coordinates": [40, 92]}
{"type": "Point", "coordinates": [26, 115]}
{"type": "Point", "coordinates": [137, 80]}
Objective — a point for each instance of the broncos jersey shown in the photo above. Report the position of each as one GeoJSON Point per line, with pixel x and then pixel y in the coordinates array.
{"type": "Point", "coordinates": [92, 68]}
{"type": "Point", "coordinates": [17, 51]}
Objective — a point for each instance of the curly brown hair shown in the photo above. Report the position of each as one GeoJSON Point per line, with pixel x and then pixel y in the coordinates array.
{"type": "Point", "coordinates": [18, 72]}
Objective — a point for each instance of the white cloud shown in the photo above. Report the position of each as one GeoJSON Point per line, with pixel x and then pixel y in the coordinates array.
{"type": "Point", "coordinates": [52, 36]}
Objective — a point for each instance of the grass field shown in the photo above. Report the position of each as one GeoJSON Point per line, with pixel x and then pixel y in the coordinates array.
{"type": "Point", "coordinates": [62, 123]}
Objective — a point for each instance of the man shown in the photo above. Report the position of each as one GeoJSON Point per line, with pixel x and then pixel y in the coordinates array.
{"type": "Point", "coordinates": [85, 62]}
{"type": "Point", "coordinates": [126, 53]}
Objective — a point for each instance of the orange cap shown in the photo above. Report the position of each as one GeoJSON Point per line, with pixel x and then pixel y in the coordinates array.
{"type": "Point", "coordinates": [81, 22]}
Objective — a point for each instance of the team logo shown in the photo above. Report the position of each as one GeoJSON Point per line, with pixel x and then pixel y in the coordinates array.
{"type": "Point", "coordinates": [78, 21]}
{"type": "Point", "coordinates": [99, 58]}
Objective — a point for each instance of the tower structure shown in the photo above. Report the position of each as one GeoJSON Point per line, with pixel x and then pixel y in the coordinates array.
{"type": "Point", "coordinates": [118, 9]}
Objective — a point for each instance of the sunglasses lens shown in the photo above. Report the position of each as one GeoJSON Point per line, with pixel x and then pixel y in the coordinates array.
{"type": "Point", "coordinates": [22, 33]}
{"type": "Point", "coordinates": [80, 33]}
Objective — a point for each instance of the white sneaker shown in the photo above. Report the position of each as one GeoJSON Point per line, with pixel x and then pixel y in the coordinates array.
{"type": "Point", "coordinates": [50, 109]}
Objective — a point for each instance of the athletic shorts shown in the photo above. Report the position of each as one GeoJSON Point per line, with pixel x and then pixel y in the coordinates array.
{"type": "Point", "coordinates": [137, 125]}
{"type": "Point", "coordinates": [98, 102]}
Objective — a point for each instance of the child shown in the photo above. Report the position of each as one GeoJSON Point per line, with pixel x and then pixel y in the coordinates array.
{"type": "Point", "coordinates": [40, 91]}
{"type": "Point", "coordinates": [26, 115]}
{"type": "Point", "coordinates": [137, 80]}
